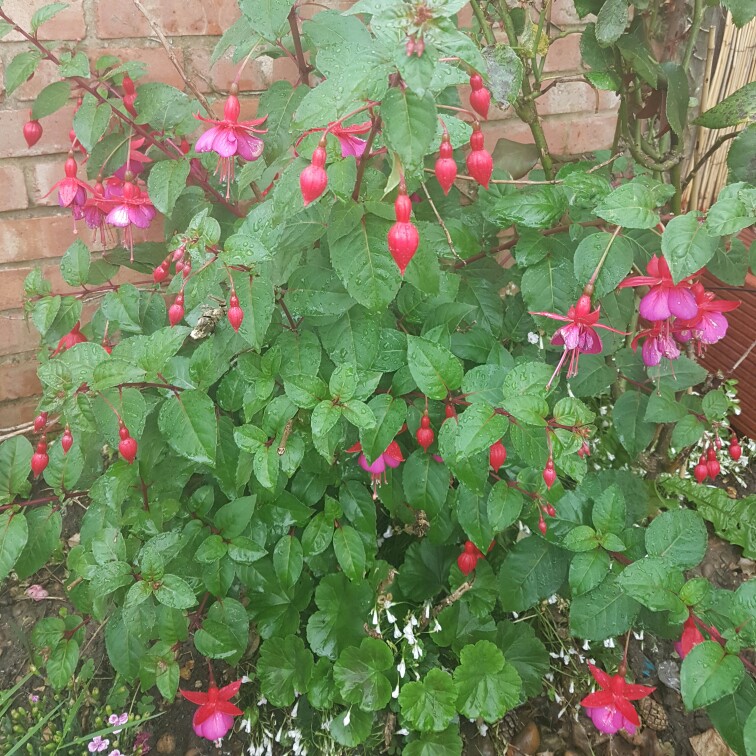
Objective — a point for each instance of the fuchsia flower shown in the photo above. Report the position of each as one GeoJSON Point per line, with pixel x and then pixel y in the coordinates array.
{"type": "Point", "coordinates": [132, 208]}
{"type": "Point", "coordinates": [658, 343]}
{"type": "Point", "coordinates": [709, 326]}
{"type": "Point", "coordinates": [72, 192]}
{"type": "Point", "coordinates": [666, 298]}
{"type": "Point", "coordinates": [350, 144]}
{"type": "Point", "coordinates": [231, 137]}
{"type": "Point", "coordinates": [610, 707]}
{"type": "Point", "coordinates": [215, 716]}
{"type": "Point", "coordinates": [392, 457]}
{"type": "Point", "coordinates": [71, 339]}
{"type": "Point", "coordinates": [578, 336]}
{"type": "Point", "coordinates": [691, 637]}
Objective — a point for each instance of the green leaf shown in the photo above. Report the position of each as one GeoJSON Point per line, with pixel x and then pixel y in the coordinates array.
{"type": "Point", "coordinates": [425, 482]}
{"type": "Point", "coordinates": [604, 612]}
{"type": "Point", "coordinates": [503, 506]}
{"type": "Point", "coordinates": [74, 65]}
{"type": "Point", "coordinates": [352, 727]}
{"type": "Point", "coordinates": [225, 631]}
{"type": "Point", "coordinates": [709, 673]}
{"type": "Point", "coordinates": [269, 18]}
{"type": "Point", "coordinates": [537, 207]}
{"type": "Point", "coordinates": [749, 734]}
{"type": "Point", "coordinates": [189, 425]}
{"type": "Point", "coordinates": [609, 511]}
{"type": "Point", "coordinates": [409, 125]}
{"type": "Point", "coordinates": [44, 526]}
{"type": "Point", "coordinates": [175, 593]}
{"type": "Point", "coordinates": [390, 415]}
{"type": "Point", "coordinates": [687, 245]}
{"type": "Point", "coordinates": [732, 717]}
{"type": "Point", "coordinates": [359, 674]}
{"type": "Point", "coordinates": [611, 21]}
{"type": "Point", "coordinates": [91, 121]}
{"type": "Point", "coordinates": [629, 205]}
{"type": "Point", "coordinates": [616, 266]}
{"type": "Point", "coordinates": [532, 570]}
{"type": "Point", "coordinates": [288, 560]}
{"type": "Point", "coordinates": [285, 667]}
{"type": "Point", "coordinates": [350, 552]}
{"type": "Point", "coordinates": [525, 652]}
{"type": "Point", "coordinates": [317, 535]}
{"type": "Point", "coordinates": [505, 72]}
{"type": "Point", "coordinates": [435, 369]}
{"type": "Point", "coordinates": [738, 108]}
{"type": "Point", "coordinates": [74, 265]}
{"type": "Point", "coordinates": [588, 569]}
{"type": "Point", "coordinates": [656, 585]}
{"type": "Point", "coordinates": [124, 645]}
{"type": "Point", "coordinates": [677, 98]}
{"type": "Point", "coordinates": [342, 608]}
{"type": "Point", "coordinates": [446, 743]}
{"type": "Point", "coordinates": [679, 537]}
{"type": "Point", "coordinates": [162, 106]}
{"type": "Point", "coordinates": [429, 705]}
{"type": "Point", "coordinates": [741, 158]}
{"type": "Point", "coordinates": [664, 408]}
{"type": "Point", "coordinates": [488, 686]}
{"type": "Point", "coordinates": [479, 427]}
{"type": "Point", "coordinates": [472, 513]}
{"type": "Point", "coordinates": [62, 663]}
{"type": "Point", "coordinates": [51, 99]}
{"type": "Point", "coordinates": [634, 433]}
{"type": "Point", "coordinates": [165, 183]}
{"type": "Point", "coordinates": [21, 67]}
{"type": "Point", "coordinates": [359, 257]}
{"type": "Point", "coordinates": [14, 533]}
{"type": "Point", "coordinates": [15, 463]}
{"type": "Point", "coordinates": [45, 13]}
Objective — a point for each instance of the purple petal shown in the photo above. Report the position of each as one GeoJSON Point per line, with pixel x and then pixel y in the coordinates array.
{"type": "Point", "coordinates": [141, 215]}
{"type": "Point", "coordinates": [205, 142]}
{"type": "Point", "coordinates": [391, 461]}
{"type": "Point", "coordinates": [655, 305]}
{"type": "Point", "coordinates": [712, 328]}
{"type": "Point", "coordinates": [650, 352]}
{"type": "Point", "coordinates": [225, 142]}
{"type": "Point", "coordinates": [571, 335]}
{"type": "Point", "coordinates": [590, 343]}
{"type": "Point", "coordinates": [684, 336]}
{"type": "Point", "coordinates": [351, 146]}
{"type": "Point", "coordinates": [376, 468]}
{"type": "Point", "coordinates": [249, 147]}
{"type": "Point", "coordinates": [682, 303]}
{"type": "Point", "coordinates": [118, 216]}
{"type": "Point", "coordinates": [667, 346]}
{"type": "Point", "coordinates": [606, 719]}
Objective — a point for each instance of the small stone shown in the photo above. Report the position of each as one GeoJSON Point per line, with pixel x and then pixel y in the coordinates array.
{"type": "Point", "coordinates": [669, 674]}
{"type": "Point", "coordinates": [166, 744]}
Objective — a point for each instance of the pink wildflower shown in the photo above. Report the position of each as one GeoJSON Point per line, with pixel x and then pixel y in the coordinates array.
{"type": "Point", "coordinates": [118, 719]}
{"type": "Point", "coordinates": [657, 343]}
{"type": "Point", "coordinates": [350, 144]}
{"type": "Point", "coordinates": [610, 707]}
{"type": "Point", "coordinates": [231, 137]}
{"type": "Point", "coordinates": [97, 744]}
{"type": "Point", "coordinates": [215, 715]}
{"type": "Point", "coordinates": [665, 297]}
{"type": "Point", "coordinates": [36, 592]}
{"type": "Point", "coordinates": [578, 336]}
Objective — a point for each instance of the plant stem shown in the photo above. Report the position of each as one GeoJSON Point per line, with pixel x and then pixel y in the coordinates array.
{"type": "Point", "coordinates": [603, 257]}
{"type": "Point", "coordinates": [698, 14]}
{"type": "Point", "coordinates": [362, 165]}
{"type": "Point", "coordinates": [304, 69]}
{"type": "Point", "coordinates": [483, 22]}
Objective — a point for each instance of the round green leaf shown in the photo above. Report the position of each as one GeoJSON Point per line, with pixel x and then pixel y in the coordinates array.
{"type": "Point", "coordinates": [359, 674]}
{"type": "Point", "coordinates": [709, 673]}
{"type": "Point", "coordinates": [430, 704]}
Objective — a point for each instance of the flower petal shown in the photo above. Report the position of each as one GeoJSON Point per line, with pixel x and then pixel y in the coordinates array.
{"type": "Point", "coordinates": [712, 328]}
{"type": "Point", "coordinates": [682, 303]}
{"type": "Point", "coordinates": [655, 304]}
{"type": "Point", "coordinates": [249, 147]}
{"type": "Point", "coordinates": [225, 142]}
{"type": "Point", "coordinates": [205, 142]}
{"type": "Point", "coordinates": [118, 216]}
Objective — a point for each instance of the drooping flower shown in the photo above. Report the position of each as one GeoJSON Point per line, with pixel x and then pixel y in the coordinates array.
{"type": "Point", "coordinates": [351, 146]}
{"type": "Point", "coordinates": [215, 715]}
{"type": "Point", "coordinates": [73, 337]}
{"type": "Point", "coordinates": [231, 137]}
{"type": "Point", "coordinates": [709, 326]}
{"type": "Point", "coordinates": [392, 457]}
{"type": "Point", "coordinates": [133, 208]}
{"type": "Point", "coordinates": [578, 336]}
{"type": "Point", "coordinates": [666, 298]}
{"type": "Point", "coordinates": [691, 637]}
{"type": "Point", "coordinates": [658, 342]}
{"type": "Point", "coordinates": [72, 192]}
{"type": "Point", "coordinates": [610, 707]}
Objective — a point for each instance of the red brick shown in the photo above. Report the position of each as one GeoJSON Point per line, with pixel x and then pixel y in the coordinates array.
{"type": "Point", "coordinates": [13, 195]}
{"type": "Point", "coordinates": [280, 69]}
{"type": "Point", "coordinates": [16, 413]}
{"type": "Point", "coordinates": [175, 18]}
{"type": "Point", "coordinates": [16, 335]}
{"type": "Point", "coordinates": [54, 138]}
{"type": "Point", "coordinates": [564, 54]}
{"type": "Point", "coordinates": [575, 97]}
{"type": "Point", "coordinates": [156, 60]}
{"type": "Point", "coordinates": [219, 77]}
{"type": "Point", "coordinates": [18, 379]}
{"type": "Point", "coordinates": [563, 13]}
{"type": "Point", "coordinates": [45, 74]}
{"type": "Point", "coordinates": [68, 24]}
{"type": "Point", "coordinates": [570, 135]}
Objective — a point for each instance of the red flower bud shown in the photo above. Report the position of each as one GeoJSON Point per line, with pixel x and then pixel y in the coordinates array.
{"type": "Point", "coordinates": [713, 468]}
{"type": "Point", "coordinates": [549, 474]}
{"type": "Point", "coordinates": [466, 562]}
{"type": "Point", "coordinates": [550, 511]}
{"type": "Point", "coordinates": [735, 450]}
{"type": "Point", "coordinates": [235, 313]}
{"type": "Point", "coordinates": [497, 455]}
{"type": "Point", "coordinates": [313, 180]}
{"type": "Point", "coordinates": [66, 440]}
{"type": "Point", "coordinates": [40, 459]}
{"type": "Point", "coordinates": [403, 241]}
{"type": "Point", "coordinates": [176, 310]}
{"type": "Point", "coordinates": [402, 207]}
{"type": "Point", "coordinates": [480, 166]}
{"type": "Point", "coordinates": [127, 446]}
{"type": "Point", "coordinates": [480, 97]}
{"type": "Point", "coordinates": [711, 454]}
{"type": "Point", "coordinates": [542, 525]}
{"type": "Point", "coordinates": [232, 108]}
{"type": "Point", "coordinates": [40, 421]}
{"type": "Point", "coordinates": [160, 273]}
{"type": "Point", "coordinates": [32, 132]}
{"type": "Point", "coordinates": [446, 167]}
{"type": "Point", "coordinates": [424, 434]}
{"type": "Point", "coordinates": [701, 472]}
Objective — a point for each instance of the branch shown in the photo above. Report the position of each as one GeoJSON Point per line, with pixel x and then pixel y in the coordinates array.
{"type": "Point", "coordinates": [304, 69]}
{"type": "Point", "coordinates": [714, 147]}
{"type": "Point", "coordinates": [365, 157]}
{"type": "Point", "coordinates": [171, 55]}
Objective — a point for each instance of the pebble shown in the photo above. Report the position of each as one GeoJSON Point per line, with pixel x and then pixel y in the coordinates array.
{"type": "Point", "coordinates": [166, 744]}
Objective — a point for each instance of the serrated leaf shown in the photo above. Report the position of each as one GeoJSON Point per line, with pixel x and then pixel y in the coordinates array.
{"type": "Point", "coordinates": [165, 183]}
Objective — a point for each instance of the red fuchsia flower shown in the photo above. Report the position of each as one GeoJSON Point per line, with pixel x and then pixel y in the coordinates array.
{"type": "Point", "coordinates": [134, 208]}
{"type": "Point", "coordinates": [658, 342]}
{"type": "Point", "coordinates": [215, 716]}
{"type": "Point", "coordinates": [72, 192]}
{"type": "Point", "coordinates": [710, 325]}
{"type": "Point", "coordinates": [691, 637]}
{"type": "Point", "coordinates": [666, 298]}
{"type": "Point", "coordinates": [578, 336]}
{"type": "Point", "coordinates": [95, 213]}
{"type": "Point", "coordinates": [610, 707]}
{"type": "Point", "coordinates": [392, 457]}
{"type": "Point", "coordinates": [351, 146]}
{"type": "Point", "coordinates": [73, 337]}
{"type": "Point", "coordinates": [231, 137]}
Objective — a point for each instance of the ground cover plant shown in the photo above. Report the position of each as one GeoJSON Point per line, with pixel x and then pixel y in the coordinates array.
{"type": "Point", "coordinates": [387, 391]}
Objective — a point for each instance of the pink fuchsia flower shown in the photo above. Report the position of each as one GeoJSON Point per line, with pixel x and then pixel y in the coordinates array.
{"type": "Point", "coordinates": [231, 137]}
{"type": "Point", "coordinates": [215, 715]}
{"type": "Point", "coordinates": [351, 145]}
{"type": "Point", "coordinates": [709, 326]}
{"type": "Point", "coordinates": [392, 457]}
{"type": "Point", "coordinates": [133, 208]}
{"type": "Point", "coordinates": [72, 192]}
{"type": "Point", "coordinates": [72, 338]}
{"type": "Point", "coordinates": [609, 708]}
{"type": "Point", "coordinates": [36, 592]}
{"type": "Point", "coordinates": [658, 342]}
{"type": "Point", "coordinates": [691, 637]}
{"type": "Point", "coordinates": [665, 298]}
{"type": "Point", "coordinates": [579, 336]}
{"type": "Point", "coordinates": [97, 744]}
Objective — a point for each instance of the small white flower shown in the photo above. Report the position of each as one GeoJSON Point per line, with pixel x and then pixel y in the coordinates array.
{"type": "Point", "coordinates": [347, 717]}
{"type": "Point", "coordinates": [581, 658]}
{"type": "Point", "coordinates": [403, 731]}
{"type": "Point", "coordinates": [609, 643]}
{"type": "Point", "coordinates": [401, 668]}
{"type": "Point", "coordinates": [262, 701]}
{"type": "Point", "coordinates": [246, 725]}
{"type": "Point", "coordinates": [557, 698]}
{"type": "Point", "coordinates": [639, 635]}
{"type": "Point", "coordinates": [390, 617]}
{"type": "Point", "coordinates": [294, 710]}
{"type": "Point", "coordinates": [551, 599]}
{"type": "Point", "coordinates": [436, 626]}
{"type": "Point", "coordinates": [554, 656]}
{"type": "Point", "coordinates": [413, 621]}
{"type": "Point", "coordinates": [417, 652]}
{"type": "Point", "coordinates": [427, 610]}
{"type": "Point", "coordinates": [610, 456]}
{"type": "Point", "coordinates": [533, 338]}
{"type": "Point", "coordinates": [482, 729]}
{"type": "Point", "coordinates": [572, 686]}
{"type": "Point", "coordinates": [395, 692]}
{"type": "Point", "coordinates": [389, 532]}
{"type": "Point", "coordinates": [549, 676]}
{"type": "Point", "coordinates": [397, 632]}
{"type": "Point", "coordinates": [586, 645]}
{"type": "Point", "coordinates": [409, 634]}
{"type": "Point", "coordinates": [515, 615]}
{"type": "Point", "coordinates": [246, 679]}
{"type": "Point", "coordinates": [375, 618]}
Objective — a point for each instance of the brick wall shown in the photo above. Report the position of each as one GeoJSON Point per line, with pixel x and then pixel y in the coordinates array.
{"type": "Point", "coordinates": [33, 230]}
